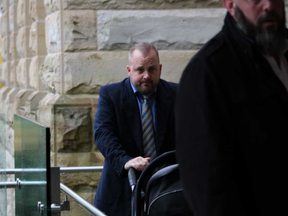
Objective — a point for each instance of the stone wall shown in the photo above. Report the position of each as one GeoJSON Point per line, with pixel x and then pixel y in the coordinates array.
{"type": "Point", "coordinates": [58, 53]}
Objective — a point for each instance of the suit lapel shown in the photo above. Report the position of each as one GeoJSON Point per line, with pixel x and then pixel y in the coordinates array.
{"type": "Point", "coordinates": [163, 110]}
{"type": "Point", "coordinates": [132, 113]}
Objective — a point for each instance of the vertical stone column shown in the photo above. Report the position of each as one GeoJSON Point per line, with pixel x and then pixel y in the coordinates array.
{"type": "Point", "coordinates": [22, 64]}
{"type": "Point", "coordinates": [4, 28]}
{"type": "Point", "coordinates": [7, 95]}
{"type": "Point", "coordinates": [37, 50]}
{"type": "Point", "coordinates": [68, 75]}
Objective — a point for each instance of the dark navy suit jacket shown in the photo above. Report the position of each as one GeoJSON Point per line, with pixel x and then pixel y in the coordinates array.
{"type": "Point", "coordinates": [118, 136]}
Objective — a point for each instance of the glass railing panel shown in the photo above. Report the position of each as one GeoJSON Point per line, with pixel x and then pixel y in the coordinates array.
{"type": "Point", "coordinates": [3, 191]}
{"type": "Point", "coordinates": [32, 151]}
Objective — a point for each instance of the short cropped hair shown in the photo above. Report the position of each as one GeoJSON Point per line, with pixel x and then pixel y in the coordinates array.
{"type": "Point", "coordinates": [144, 48]}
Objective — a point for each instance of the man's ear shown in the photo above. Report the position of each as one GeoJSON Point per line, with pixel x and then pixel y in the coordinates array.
{"type": "Point", "coordinates": [128, 69]}
{"type": "Point", "coordinates": [230, 6]}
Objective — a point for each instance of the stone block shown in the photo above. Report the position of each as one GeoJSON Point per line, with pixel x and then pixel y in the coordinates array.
{"type": "Point", "coordinates": [10, 157]}
{"type": "Point", "coordinates": [166, 29]}
{"type": "Point", "coordinates": [83, 72]}
{"type": "Point", "coordinates": [76, 159]}
{"type": "Point", "coordinates": [22, 42]}
{"type": "Point", "coordinates": [97, 157]}
{"type": "Point", "coordinates": [23, 16]}
{"type": "Point", "coordinates": [13, 78]}
{"type": "Point", "coordinates": [50, 73]}
{"type": "Point", "coordinates": [37, 10]}
{"type": "Point", "coordinates": [52, 6]}
{"type": "Point", "coordinates": [47, 106]}
{"type": "Point", "coordinates": [9, 101]}
{"type": "Point", "coordinates": [37, 38]}
{"type": "Point", "coordinates": [174, 63]}
{"type": "Point", "coordinates": [73, 127]}
{"type": "Point", "coordinates": [13, 2]}
{"type": "Point", "coordinates": [74, 179]}
{"type": "Point", "coordinates": [13, 49]}
{"type": "Point", "coordinates": [5, 43]}
{"type": "Point", "coordinates": [2, 140]}
{"type": "Point", "coordinates": [20, 100]}
{"type": "Point", "coordinates": [44, 112]}
{"type": "Point", "coordinates": [4, 5]}
{"type": "Point", "coordinates": [55, 5]}
{"type": "Point", "coordinates": [79, 31]}
{"type": "Point", "coordinates": [4, 24]}
{"type": "Point", "coordinates": [3, 93]}
{"type": "Point", "coordinates": [5, 76]}
{"type": "Point", "coordinates": [22, 71]}
{"type": "Point", "coordinates": [35, 81]}
{"type": "Point", "coordinates": [13, 25]}
{"type": "Point", "coordinates": [31, 105]}
{"type": "Point", "coordinates": [53, 32]}
{"type": "Point", "coordinates": [11, 201]}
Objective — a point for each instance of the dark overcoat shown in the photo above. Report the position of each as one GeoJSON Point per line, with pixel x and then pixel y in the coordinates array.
{"type": "Point", "coordinates": [118, 135]}
{"type": "Point", "coordinates": [231, 129]}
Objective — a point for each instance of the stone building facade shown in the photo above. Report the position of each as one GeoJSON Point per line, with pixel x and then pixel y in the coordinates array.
{"type": "Point", "coordinates": [58, 53]}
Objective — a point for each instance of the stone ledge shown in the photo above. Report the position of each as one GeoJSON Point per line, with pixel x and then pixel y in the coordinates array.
{"type": "Point", "coordinates": [55, 5]}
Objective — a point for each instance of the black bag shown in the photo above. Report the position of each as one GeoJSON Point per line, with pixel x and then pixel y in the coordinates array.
{"type": "Point", "coordinates": [164, 194]}
{"type": "Point", "coordinates": [158, 190]}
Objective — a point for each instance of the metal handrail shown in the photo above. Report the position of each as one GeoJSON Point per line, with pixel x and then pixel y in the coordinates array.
{"type": "Point", "coordinates": [81, 169]}
{"type": "Point", "coordinates": [62, 170]}
{"type": "Point", "coordinates": [86, 205]}
{"type": "Point", "coordinates": [20, 184]}
{"type": "Point", "coordinates": [16, 171]}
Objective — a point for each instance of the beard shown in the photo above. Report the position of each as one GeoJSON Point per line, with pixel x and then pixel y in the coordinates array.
{"type": "Point", "coordinates": [270, 40]}
{"type": "Point", "coordinates": [146, 90]}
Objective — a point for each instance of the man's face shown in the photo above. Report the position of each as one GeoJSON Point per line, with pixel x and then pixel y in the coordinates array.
{"type": "Point", "coordinates": [144, 71]}
{"type": "Point", "coordinates": [255, 10]}
{"type": "Point", "coordinates": [263, 20]}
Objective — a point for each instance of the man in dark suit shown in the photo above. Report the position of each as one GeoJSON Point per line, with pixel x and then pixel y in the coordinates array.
{"type": "Point", "coordinates": [134, 123]}
{"type": "Point", "coordinates": [232, 115]}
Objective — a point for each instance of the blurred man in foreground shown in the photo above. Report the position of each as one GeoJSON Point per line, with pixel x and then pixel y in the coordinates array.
{"type": "Point", "coordinates": [232, 114]}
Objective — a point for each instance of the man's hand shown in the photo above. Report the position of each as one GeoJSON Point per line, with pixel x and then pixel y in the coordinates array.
{"type": "Point", "coordinates": [138, 163]}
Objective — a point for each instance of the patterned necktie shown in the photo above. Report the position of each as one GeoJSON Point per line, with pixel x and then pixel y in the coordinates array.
{"type": "Point", "coordinates": [148, 130]}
